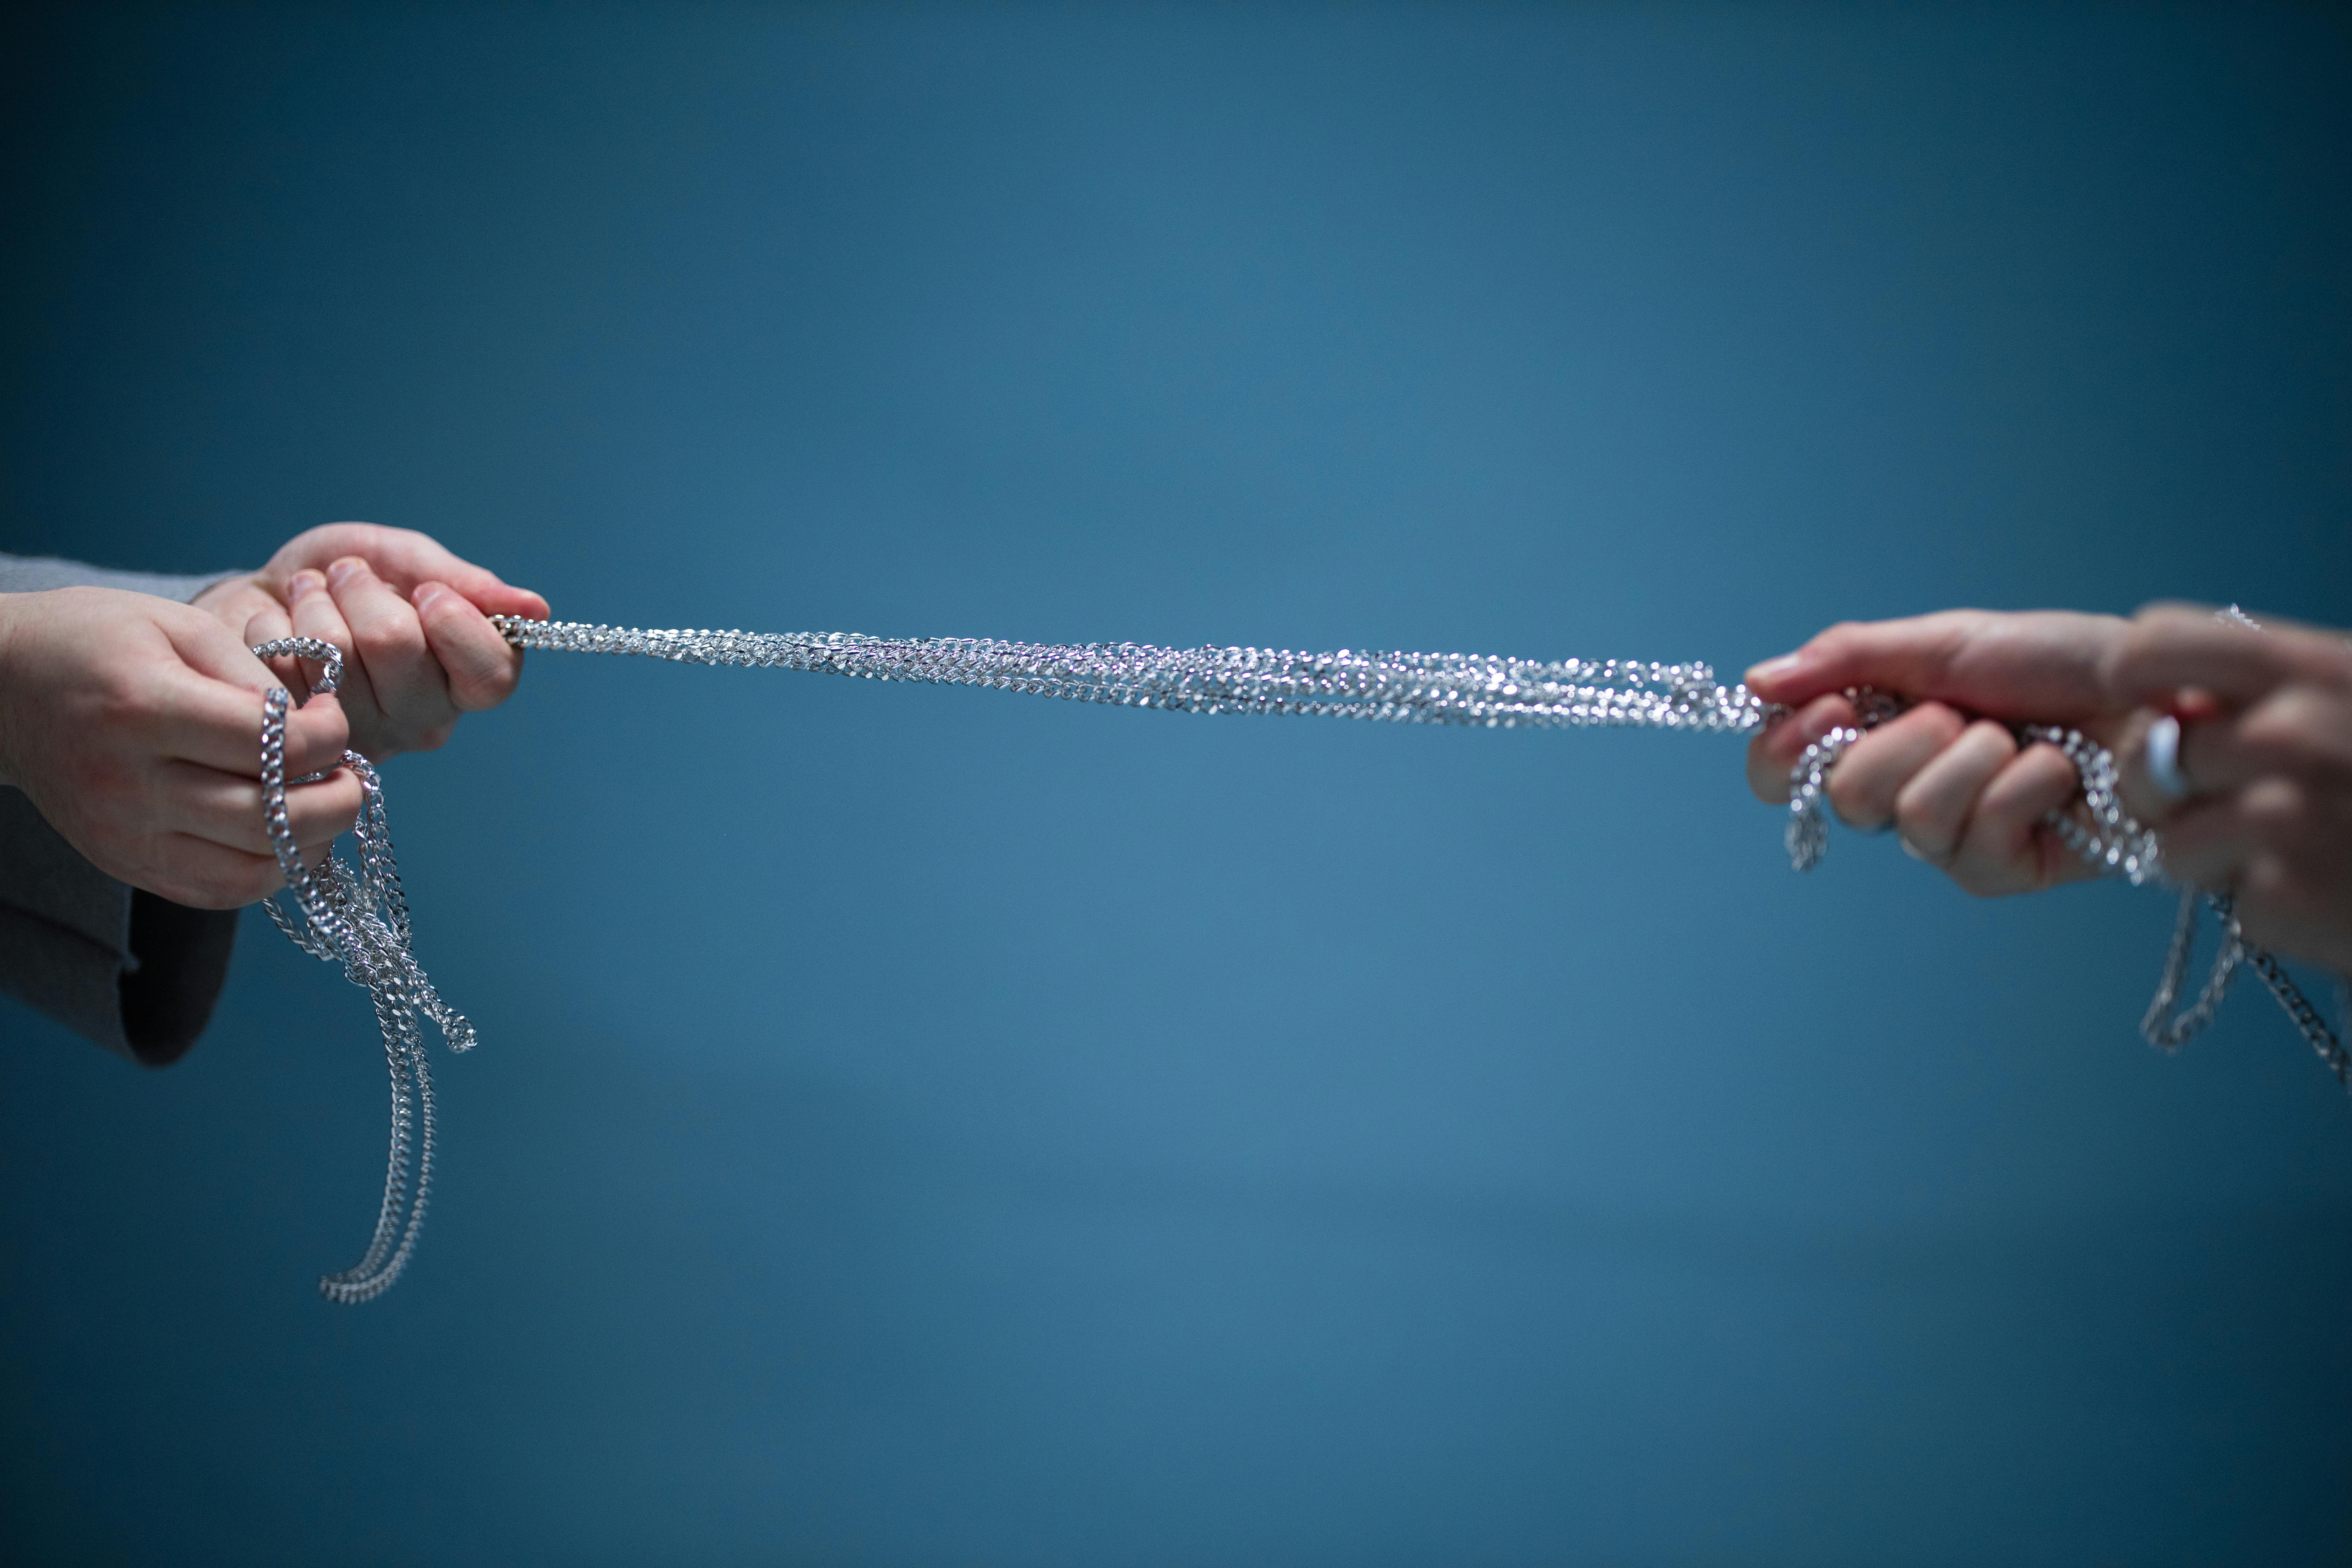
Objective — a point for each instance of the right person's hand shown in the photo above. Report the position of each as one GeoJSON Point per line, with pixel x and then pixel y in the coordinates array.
{"type": "Point", "coordinates": [2267, 748]}
{"type": "Point", "coordinates": [1948, 775]}
{"type": "Point", "coordinates": [134, 724]}
{"type": "Point", "coordinates": [2265, 751]}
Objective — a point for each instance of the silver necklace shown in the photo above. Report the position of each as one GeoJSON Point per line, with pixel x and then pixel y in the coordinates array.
{"type": "Point", "coordinates": [355, 913]}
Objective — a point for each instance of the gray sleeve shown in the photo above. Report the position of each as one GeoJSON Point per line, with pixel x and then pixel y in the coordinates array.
{"type": "Point", "coordinates": [133, 972]}
{"type": "Point", "coordinates": [36, 573]}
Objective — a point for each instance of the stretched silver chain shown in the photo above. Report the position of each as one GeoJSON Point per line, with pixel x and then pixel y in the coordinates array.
{"type": "Point", "coordinates": [1397, 688]}
{"type": "Point", "coordinates": [358, 916]}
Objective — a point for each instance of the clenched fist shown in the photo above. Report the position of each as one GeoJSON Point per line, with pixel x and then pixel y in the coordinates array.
{"type": "Point", "coordinates": [134, 724]}
{"type": "Point", "coordinates": [410, 617]}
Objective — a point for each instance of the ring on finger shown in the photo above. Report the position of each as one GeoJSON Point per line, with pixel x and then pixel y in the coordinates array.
{"type": "Point", "coordinates": [2161, 752]}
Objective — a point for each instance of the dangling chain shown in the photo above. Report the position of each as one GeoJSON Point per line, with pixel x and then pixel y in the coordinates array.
{"type": "Point", "coordinates": [360, 918]}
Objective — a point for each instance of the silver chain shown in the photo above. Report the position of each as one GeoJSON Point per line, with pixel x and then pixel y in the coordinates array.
{"type": "Point", "coordinates": [1398, 688]}
{"type": "Point", "coordinates": [358, 916]}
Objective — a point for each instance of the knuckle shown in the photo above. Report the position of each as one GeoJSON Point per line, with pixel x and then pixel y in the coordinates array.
{"type": "Point", "coordinates": [386, 630]}
{"type": "Point", "coordinates": [1850, 794]}
{"type": "Point", "coordinates": [2121, 660]}
{"type": "Point", "coordinates": [2275, 809]}
{"type": "Point", "coordinates": [1834, 641]}
{"type": "Point", "coordinates": [484, 691]}
{"type": "Point", "coordinates": [123, 705]}
{"type": "Point", "coordinates": [1981, 881]}
{"type": "Point", "coordinates": [1992, 741]}
{"type": "Point", "coordinates": [2287, 727]}
{"type": "Point", "coordinates": [1915, 820]}
{"type": "Point", "coordinates": [2275, 729]}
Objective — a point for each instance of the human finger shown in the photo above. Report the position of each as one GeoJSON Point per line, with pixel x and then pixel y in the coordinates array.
{"type": "Point", "coordinates": [2035, 665]}
{"type": "Point", "coordinates": [2171, 647]}
{"type": "Point", "coordinates": [2299, 729]}
{"type": "Point", "coordinates": [207, 707]}
{"type": "Point", "coordinates": [1863, 786]}
{"type": "Point", "coordinates": [404, 558]}
{"type": "Point", "coordinates": [235, 601]}
{"type": "Point", "coordinates": [1931, 810]}
{"type": "Point", "coordinates": [479, 665]}
{"type": "Point", "coordinates": [1772, 754]}
{"type": "Point", "coordinates": [2208, 842]}
{"type": "Point", "coordinates": [214, 724]}
{"type": "Point", "coordinates": [270, 623]}
{"type": "Point", "coordinates": [204, 875]}
{"type": "Point", "coordinates": [2005, 847]}
{"type": "Point", "coordinates": [223, 808]}
{"type": "Point", "coordinates": [425, 560]}
{"type": "Point", "coordinates": [315, 615]}
{"type": "Point", "coordinates": [207, 648]}
{"type": "Point", "coordinates": [389, 642]}
{"type": "Point", "coordinates": [2284, 901]}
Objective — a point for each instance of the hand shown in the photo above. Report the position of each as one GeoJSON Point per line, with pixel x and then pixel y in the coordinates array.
{"type": "Point", "coordinates": [1962, 793]}
{"type": "Point", "coordinates": [2266, 747]}
{"type": "Point", "coordinates": [411, 620]}
{"type": "Point", "coordinates": [134, 724]}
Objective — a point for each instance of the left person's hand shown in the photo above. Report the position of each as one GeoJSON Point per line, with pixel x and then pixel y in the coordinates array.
{"type": "Point", "coordinates": [409, 616]}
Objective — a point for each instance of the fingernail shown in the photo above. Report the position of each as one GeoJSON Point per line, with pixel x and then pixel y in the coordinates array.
{"type": "Point", "coordinates": [305, 581]}
{"type": "Point", "coordinates": [342, 571]}
{"type": "Point", "coordinates": [1774, 668]}
{"type": "Point", "coordinates": [423, 593]}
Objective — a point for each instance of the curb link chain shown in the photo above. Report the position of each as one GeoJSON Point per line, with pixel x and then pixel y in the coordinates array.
{"type": "Point", "coordinates": [358, 915]}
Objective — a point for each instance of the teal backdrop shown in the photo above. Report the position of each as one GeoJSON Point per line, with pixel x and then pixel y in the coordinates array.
{"type": "Point", "coordinates": [922, 1127]}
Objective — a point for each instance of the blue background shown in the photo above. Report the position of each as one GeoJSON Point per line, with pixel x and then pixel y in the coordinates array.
{"type": "Point", "coordinates": [930, 1127]}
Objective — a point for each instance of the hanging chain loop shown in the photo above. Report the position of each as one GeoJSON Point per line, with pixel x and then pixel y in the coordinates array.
{"type": "Point", "coordinates": [358, 916]}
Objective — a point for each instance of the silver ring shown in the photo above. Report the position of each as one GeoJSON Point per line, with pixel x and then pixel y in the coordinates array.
{"type": "Point", "coordinates": [2162, 753]}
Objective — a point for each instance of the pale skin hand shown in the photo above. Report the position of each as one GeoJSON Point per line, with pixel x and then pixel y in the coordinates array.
{"type": "Point", "coordinates": [134, 724]}
{"type": "Point", "coordinates": [410, 617]}
{"type": "Point", "coordinates": [2266, 744]}
{"type": "Point", "coordinates": [2267, 740]}
{"type": "Point", "coordinates": [1954, 783]}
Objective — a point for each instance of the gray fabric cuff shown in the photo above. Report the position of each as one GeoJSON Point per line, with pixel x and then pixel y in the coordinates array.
{"type": "Point", "coordinates": [132, 972]}
{"type": "Point", "coordinates": [39, 574]}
